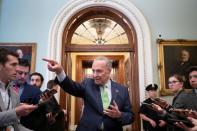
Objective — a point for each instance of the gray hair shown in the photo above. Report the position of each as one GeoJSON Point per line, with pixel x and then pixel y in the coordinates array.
{"type": "Point", "coordinates": [103, 58]}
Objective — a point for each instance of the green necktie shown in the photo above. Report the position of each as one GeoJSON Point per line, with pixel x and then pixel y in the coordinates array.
{"type": "Point", "coordinates": [104, 96]}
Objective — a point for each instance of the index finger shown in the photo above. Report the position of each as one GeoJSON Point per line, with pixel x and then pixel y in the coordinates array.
{"type": "Point", "coordinates": [114, 102]}
{"type": "Point", "coordinates": [112, 107]}
{"type": "Point", "coordinates": [23, 104]}
{"type": "Point", "coordinates": [32, 107]}
{"type": "Point", "coordinates": [48, 60]}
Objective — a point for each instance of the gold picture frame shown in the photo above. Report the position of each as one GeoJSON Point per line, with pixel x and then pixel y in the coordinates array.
{"type": "Point", "coordinates": [169, 61]}
{"type": "Point", "coordinates": [26, 50]}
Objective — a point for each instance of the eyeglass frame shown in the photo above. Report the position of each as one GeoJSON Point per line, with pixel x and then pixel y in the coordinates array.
{"type": "Point", "coordinates": [172, 82]}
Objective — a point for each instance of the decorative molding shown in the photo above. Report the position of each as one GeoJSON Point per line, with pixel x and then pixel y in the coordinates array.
{"type": "Point", "coordinates": [95, 0]}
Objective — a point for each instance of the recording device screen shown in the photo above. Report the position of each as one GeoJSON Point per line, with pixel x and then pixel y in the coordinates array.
{"type": "Point", "coordinates": [46, 96]}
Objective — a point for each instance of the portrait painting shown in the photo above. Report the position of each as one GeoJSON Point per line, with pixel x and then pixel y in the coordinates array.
{"type": "Point", "coordinates": [175, 57]}
{"type": "Point", "coordinates": [24, 50]}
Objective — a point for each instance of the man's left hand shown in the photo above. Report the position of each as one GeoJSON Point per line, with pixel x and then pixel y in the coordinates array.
{"type": "Point", "coordinates": [113, 111]}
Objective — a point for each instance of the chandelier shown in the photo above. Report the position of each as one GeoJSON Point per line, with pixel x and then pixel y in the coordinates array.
{"type": "Point", "coordinates": [100, 25]}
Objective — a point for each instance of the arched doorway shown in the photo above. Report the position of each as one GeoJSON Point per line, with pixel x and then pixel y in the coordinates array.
{"type": "Point", "coordinates": [101, 29]}
{"type": "Point", "coordinates": [143, 54]}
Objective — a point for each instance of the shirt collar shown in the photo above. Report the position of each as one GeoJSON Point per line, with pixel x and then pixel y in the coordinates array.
{"type": "Point", "coordinates": [2, 85]}
{"type": "Point", "coordinates": [9, 84]}
{"type": "Point", "coordinates": [108, 84]}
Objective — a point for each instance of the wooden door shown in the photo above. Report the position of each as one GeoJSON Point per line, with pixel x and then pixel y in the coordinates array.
{"type": "Point", "coordinates": [83, 67]}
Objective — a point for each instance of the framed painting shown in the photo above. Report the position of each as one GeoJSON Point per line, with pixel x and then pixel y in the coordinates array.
{"type": "Point", "coordinates": [175, 57]}
{"type": "Point", "coordinates": [24, 50]}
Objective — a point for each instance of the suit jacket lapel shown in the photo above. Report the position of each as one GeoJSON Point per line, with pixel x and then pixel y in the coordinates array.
{"type": "Point", "coordinates": [98, 99]}
{"type": "Point", "coordinates": [13, 98]}
{"type": "Point", "coordinates": [13, 95]}
{"type": "Point", "coordinates": [25, 91]}
{"type": "Point", "coordinates": [114, 91]}
{"type": "Point", "coordinates": [2, 103]}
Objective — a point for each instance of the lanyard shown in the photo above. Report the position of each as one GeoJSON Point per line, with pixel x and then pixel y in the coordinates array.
{"type": "Point", "coordinates": [8, 106]}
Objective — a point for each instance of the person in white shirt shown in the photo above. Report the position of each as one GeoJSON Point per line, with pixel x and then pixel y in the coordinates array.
{"type": "Point", "coordinates": [10, 107]}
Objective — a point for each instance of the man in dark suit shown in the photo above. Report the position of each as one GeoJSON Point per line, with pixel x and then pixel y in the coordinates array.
{"type": "Point", "coordinates": [189, 101]}
{"type": "Point", "coordinates": [31, 95]}
{"type": "Point", "coordinates": [106, 103]}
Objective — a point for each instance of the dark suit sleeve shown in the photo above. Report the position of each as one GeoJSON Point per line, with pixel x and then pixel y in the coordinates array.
{"type": "Point", "coordinates": [180, 102]}
{"type": "Point", "coordinates": [71, 87]}
{"type": "Point", "coordinates": [127, 116]}
{"type": "Point", "coordinates": [37, 96]}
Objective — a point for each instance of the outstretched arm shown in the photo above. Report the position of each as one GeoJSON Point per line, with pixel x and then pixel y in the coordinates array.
{"type": "Point", "coordinates": [67, 84]}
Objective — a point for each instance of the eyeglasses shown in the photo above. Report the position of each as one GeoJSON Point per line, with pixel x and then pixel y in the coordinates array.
{"type": "Point", "coordinates": [172, 82]}
{"type": "Point", "coordinates": [22, 72]}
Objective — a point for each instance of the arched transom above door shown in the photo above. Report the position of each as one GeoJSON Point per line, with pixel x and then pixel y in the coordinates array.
{"type": "Point", "coordinates": [97, 26]}
{"type": "Point", "coordinates": [99, 31]}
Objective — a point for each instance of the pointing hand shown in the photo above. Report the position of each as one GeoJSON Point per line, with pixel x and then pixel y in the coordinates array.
{"type": "Point", "coordinates": [53, 66]}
